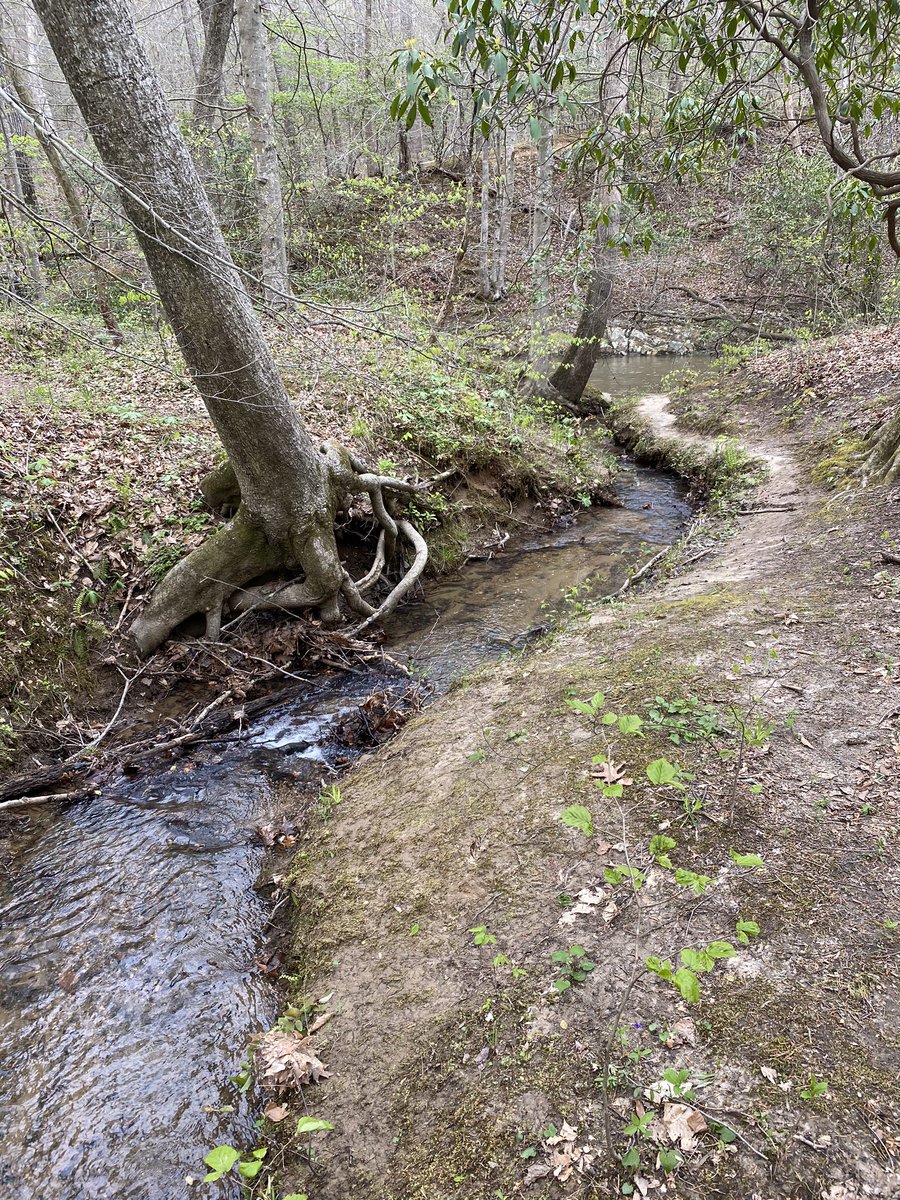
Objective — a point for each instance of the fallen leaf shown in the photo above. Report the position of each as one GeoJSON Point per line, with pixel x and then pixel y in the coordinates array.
{"type": "Point", "coordinates": [288, 1060]}
{"type": "Point", "coordinates": [275, 1113]}
{"type": "Point", "coordinates": [535, 1172]}
{"type": "Point", "coordinates": [683, 1124]}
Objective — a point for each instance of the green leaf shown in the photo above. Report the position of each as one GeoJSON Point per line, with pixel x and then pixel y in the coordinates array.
{"type": "Point", "coordinates": [312, 1125]}
{"type": "Point", "coordinates": [609, 719]}
{"type": "Point", "coordinates": [747, 860]}
{"type": "Point", "coordinates": [222, 1159]}
{"type": "Point", "coordinates": [669, 1160]}
{"type": "Point", "coordinates": [632, 1160]}
{"type": "Point", "coordinates": [745, 931]}
{"type": "Point", "coordinates": [562, 985]}
{"type": "Point", "coordinates": [721, 950]}
{"type": "Point", "coordinates": [697, 960]}
{"type": "Point", "coordinates": [659, 844]}
{"type": "Point", "coordinates": [576, 816]}
{"type": "Point", "coordinates": [688, 984]}
{"type": "Point", "coordinates": [249, 1170]}
{"type": "Point", "coordinates": [663, 773]}
{"type": "Point", "coordinates": [661, 967]}
{"type": "Point", "coordinates": [534, 127]}
{"type": "Point", "coordinates": [697, 883]}
{"type": "Point", "coordinates": [630, 724]}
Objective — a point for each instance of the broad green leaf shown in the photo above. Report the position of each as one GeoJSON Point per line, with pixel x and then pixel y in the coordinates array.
{"type": "Point", "coordinates": [688, 984]}
{"type": "Point", "coordinates": [312, 1125]}
{"type": "Point", "coordinates": [630, 724]}
{"type": "Point", "coordinates": [222, 1158]}
{"type": "Point", "coordinates": [745, 931]}
{"type": "Point", "coordinates": [697, 960]}
{"type": "Point", "coordinates": [576, 816]}
{"type": "Point", "coordinates": [721, 950]}
{"type": "Point", "coordinates": [561, 985]}
{"type": "Point", "coordinates": [747, 860]}
{"type": "Point", "coordinates": [663, 773]}
{"type": "Point", "coordinates": [249, 1170]}
{"type": "Point", "coordinates": [669, 1160]}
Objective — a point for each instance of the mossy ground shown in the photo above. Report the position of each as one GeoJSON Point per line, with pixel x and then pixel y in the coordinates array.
{"type": "Point", "coordinates": [450, 1065]}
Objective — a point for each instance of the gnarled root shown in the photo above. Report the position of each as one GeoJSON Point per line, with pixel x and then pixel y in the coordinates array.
{"type": "Point", "coordinates": [217, 573]}
{"type": "Point", "coordinates": [883, 462]}
{"type": "Point", "coordinates": [203, 581]}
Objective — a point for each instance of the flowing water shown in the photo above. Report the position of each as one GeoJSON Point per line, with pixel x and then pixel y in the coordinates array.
{"type": "Point", "coordinates": [129, 925]}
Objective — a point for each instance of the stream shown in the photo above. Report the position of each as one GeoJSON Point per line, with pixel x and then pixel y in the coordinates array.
{"type": "Point", "coordinates": [129, 925]}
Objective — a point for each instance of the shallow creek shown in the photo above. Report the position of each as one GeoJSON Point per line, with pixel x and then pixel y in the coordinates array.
{"type": "Point", "coordinates": [129, 925]}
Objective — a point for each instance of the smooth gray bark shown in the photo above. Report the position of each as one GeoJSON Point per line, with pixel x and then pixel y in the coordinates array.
{"type": "Point", "coordinates": [255, 72]}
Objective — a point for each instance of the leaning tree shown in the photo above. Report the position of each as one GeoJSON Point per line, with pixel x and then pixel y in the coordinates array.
{"type": "Point", "coordinates": [290, 485]}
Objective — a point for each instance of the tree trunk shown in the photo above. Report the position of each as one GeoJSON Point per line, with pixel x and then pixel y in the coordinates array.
{"type": "Point", "coordinates": [22, 225]}
{"type": "Point", "coordinates": [484, 235]}
{"type": "Point", "coordinates": [190, 34]}
{"type": "Point", "coordinates": [289, 486]}
{"type": "Point", "coordinates": [34, 102]}
{"type": "Point", "coordinates": [269, 205]}
{"type": "Point", "coordinates": [570, 377]}
{"type": "Point", "coordinates": [217, 16]}
{"type": "Point", "coordinates": [540, 234]}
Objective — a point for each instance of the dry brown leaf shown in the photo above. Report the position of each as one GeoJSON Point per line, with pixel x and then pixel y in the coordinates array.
{"type": "Point", "coordinates": [275, 1113]}
{"type": "Point", "coordinates": [288, 1061]}
{"type": "Point", "coordinates": [683, 1124]}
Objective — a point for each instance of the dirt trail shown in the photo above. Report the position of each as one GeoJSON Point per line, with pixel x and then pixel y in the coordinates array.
{"type": "Point", "coordinates": [450, 1063]}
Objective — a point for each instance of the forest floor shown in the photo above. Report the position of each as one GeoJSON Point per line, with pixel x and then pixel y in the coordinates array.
{"type": "Point", "coordinates": [732, 737]}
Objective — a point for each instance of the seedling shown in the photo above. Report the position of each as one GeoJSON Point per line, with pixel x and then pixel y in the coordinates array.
{"type": "Point", "coordinates": [814, 1089]}
{"type": "Point", "coordinates": [573, 965]}
{"type": "Point", "coordinates": [481, 937]}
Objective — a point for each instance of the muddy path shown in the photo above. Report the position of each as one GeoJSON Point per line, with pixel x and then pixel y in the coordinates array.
{"type": "Point", "coordinates": [459, 1071]}
{"type": "Point", "coordinates": [134, 963]}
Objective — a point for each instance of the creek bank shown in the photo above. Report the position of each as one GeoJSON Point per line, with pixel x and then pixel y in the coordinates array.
{"type": "Point", "coordinates": [104, 457]}
{"type": "Point", "coordinates": [157, 971]}
{"type": "Point", "coordinates": [447, 881]}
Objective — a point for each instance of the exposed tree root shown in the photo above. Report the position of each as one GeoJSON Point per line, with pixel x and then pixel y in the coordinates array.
{"type": "Point", "coordinates": [291, 536]}
{"type": "Point", "coordinates": [883, 461]}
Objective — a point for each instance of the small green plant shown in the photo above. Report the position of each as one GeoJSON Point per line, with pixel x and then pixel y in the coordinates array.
{"type": "Point", "coordinates": [694, 963]}
{"type": "Point", "coordinates": [618, 874]}
{"type": "Point", "coordinates": [329, 798]}
{"type": "Point", "coordinates": [745, 930]}
{"type": "Point", "coordinates": [747, 860]}
{"type": "Point", "coordinates": [576, 816]}
{"type": "Point", "coordinates": [222, 1159]}
{"type": "Point", "coordinates": [684, 720]}
{"type": "Point", "coordinates": [591, 707]}
{"type": "Point", "coordinates": [308, 1125]}
{"type": "Point", "coordinates": [814, 1089]}
{"type": "Point", "coordinates": [663, 773]}
{"type": "Point", "coordinates": [699, 884]}
{"type": "Point", "coordinates": [573, 966]}
{"type": "Point", "coordinates": [660, 845]}
{"type": "Point", "coordinates": [481, 937]}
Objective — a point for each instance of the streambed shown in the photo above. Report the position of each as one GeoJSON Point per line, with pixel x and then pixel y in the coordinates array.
{"type": "Point", "coordinates": [130, 930]}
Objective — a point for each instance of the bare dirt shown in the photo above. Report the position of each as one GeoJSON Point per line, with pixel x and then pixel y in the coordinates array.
{"type": "Point", "coordinates": [456, 1073]}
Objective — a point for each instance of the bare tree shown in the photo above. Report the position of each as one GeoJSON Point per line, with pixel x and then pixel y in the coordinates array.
{"type": "Point", "coordinates": [33, 101]}
{"type": "Point", "coordinates": [255, 71]}
{"type": "Point", "coordinates": [218, 17]}
{"type": "Point", "coordinates": [290, 487]}
{"type": "Point", "coordinates": [571, 375]}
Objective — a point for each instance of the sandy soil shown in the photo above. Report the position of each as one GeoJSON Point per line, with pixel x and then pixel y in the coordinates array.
{"type": "Point", "coordinates": [458, 1070]}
